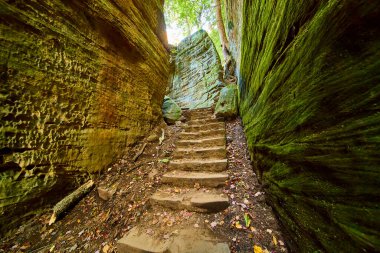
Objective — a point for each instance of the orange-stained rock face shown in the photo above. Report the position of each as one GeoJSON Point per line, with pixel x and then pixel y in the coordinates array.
{"type": "Point", "coordinates": [80, 82]}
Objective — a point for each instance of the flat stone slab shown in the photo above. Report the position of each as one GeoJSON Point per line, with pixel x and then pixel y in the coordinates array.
{"type": "Point", "coordinates": [211, 202]}
{"type": "Point", "coordinates": [200, 153]}
{"type": "Point", "coordinates": [192, 200]}
{"type": "Point", "coordinates": [190, 240]}
{"type": "Point", "coordinates": [206, 142]}
{"type": "Point", "coordinates": [199, 165]}
{"type": "Point", "coordinates": [194, 135]}
{"type": "Point", "coordinates": [173, 201]}
{"type": "Point", "coordinates": [204, 126]}
{"type": "Point", "coordinates": [105, 193]}
{"type": "Point", "coordinates": [204, 121]}
{"type": "Point", "coordinates": [198, 241]}
{"type": "Point", "coordinates": [181, 178]}
{"type": "Point", "coordinates": [137, 241]}
{"type": "Point", "coordinates": [204, 116]}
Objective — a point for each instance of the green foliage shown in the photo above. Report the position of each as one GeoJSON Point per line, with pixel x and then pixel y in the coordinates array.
{"type": "Point", "coordinates": [214, 35]}
{"type": "Point", "coordinates": [189, 15]}
{"type": "Point", "coordinates": [192, 15]}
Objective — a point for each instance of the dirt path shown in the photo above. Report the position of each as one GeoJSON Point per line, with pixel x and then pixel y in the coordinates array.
{"type": "Point", "coordinates": [95, 225]}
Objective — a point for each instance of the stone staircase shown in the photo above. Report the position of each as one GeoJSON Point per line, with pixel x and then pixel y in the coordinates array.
{"type": "Point", "coordinates": [197, 172]}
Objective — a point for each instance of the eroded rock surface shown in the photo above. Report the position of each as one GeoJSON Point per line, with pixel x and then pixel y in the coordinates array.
{"type": "Point", "coordinates": [170, 110]}
{"type": "Point", "coordinates": [227, 106]}
{"type": "Point", "coordinates": [309, 88]}
{"type": "Point", "coordinates": [198, 70]}
{"type": "Point", "coordinates": [80, 81]}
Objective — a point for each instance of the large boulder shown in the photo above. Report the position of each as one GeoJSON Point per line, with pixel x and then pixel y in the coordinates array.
{"type": "Point", "coordinates": [170, 110]}
{"type": "Point", "coordinates": [198, 71]}
{"type": "Point", "coordinates": [227, 105]}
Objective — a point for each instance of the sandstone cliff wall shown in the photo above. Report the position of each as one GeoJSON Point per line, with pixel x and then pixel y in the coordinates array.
{"type": "Point", "coordinates": [198, 70]}
{"type": "Point", "coordinates": [80, 81]}
{"type": "Point", "coordinates": [309, 82]}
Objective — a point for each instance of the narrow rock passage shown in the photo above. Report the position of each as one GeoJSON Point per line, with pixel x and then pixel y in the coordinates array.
{"type": "Point", "coordinates": [193, 183]}
{"type": "Point", "coordinates": [96, 225]}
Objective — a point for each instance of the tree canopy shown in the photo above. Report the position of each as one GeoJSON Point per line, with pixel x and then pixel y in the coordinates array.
{"type": "Point", "coordinates": [188, 16]}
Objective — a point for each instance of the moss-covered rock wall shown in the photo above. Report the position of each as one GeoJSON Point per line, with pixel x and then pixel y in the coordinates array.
{"type": "Point", "coordinates": [198, 72]}
{"type": "Point", "coordinates": [80, 82]}
{"type": "Point", "coordinates": [309, 83]}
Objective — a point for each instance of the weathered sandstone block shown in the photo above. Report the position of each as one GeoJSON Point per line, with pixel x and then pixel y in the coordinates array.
{"type": "Point", "coordinates": [196, 82]}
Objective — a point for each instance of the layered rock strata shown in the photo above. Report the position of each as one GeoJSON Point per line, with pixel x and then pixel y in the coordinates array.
{"type": "Point", "coordinates": [80, 81]}
{"type": "Point", "coordinates": [197, 76]}
{"type": "Point", "coordinates": [309, 82]}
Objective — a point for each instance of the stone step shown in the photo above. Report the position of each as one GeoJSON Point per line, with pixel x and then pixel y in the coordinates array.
{"type": "Point", "coordinates": [200, 112]}
{"type": "Point", "coordinates": [187, 178]}
{"type": "Point", "coordinates": [215, 133]}
{"type": "Point", "coordinates": [196, 240]}
{"type": "Point", "coordinates": [201, 117]}
{"type": "Point", "coordinates": [199, 153]}
{"type": "Point", "coordinates": [138, 241]}
{"type": "Point", "coordinates": [202, 143]}
{"type": "Point", "coordinates": [204, 121]}
{"type": "Point", "coordinates": [199, 165]}
{"type": "Point", "coordinates": [191, 200]}
{"type": "Point", "coordinates": [189, 240]}
{"type": "Point", "coordinates": [204, 127]}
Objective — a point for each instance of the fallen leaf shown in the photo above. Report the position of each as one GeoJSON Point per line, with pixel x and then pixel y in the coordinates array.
{"type": "Point", "coordinates": [213, 224]}
{"type": "Point", "coordinates": [274, 239]}
{"type": "Point", "coordinates": [162, 138]}
{"type": "Point", "coordinates": [257, 249]}
{"type": "Point", "coordinates": [106, 248]}
{"type": "Point", "coordinates": [73, 248]}
{"type": "Point", "coordinates": [25, 246]}
{"type": "Point", "coordinates": [165, 160]}
{"type": "Point", "coordinates": [196, 225]}
{"type": "Point", "coordinates": [238, 225]}
{"type": "Point", "coordinates": [247, 220]}
{"type": "Point", "coordinates": [269, 231]}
